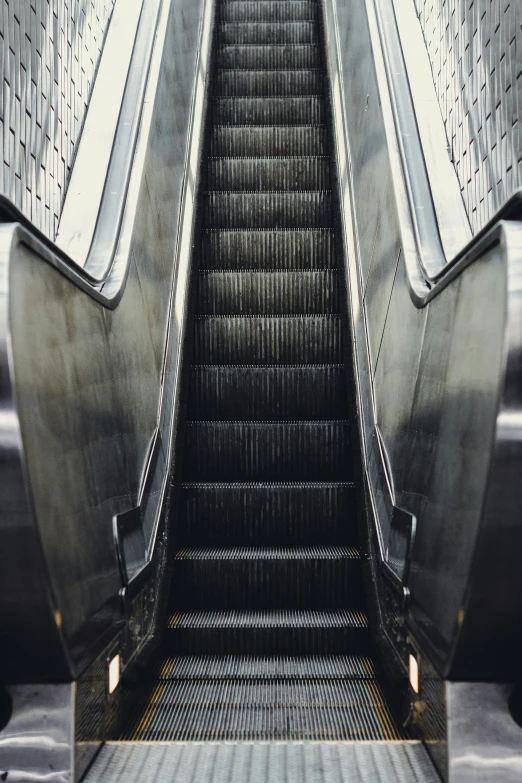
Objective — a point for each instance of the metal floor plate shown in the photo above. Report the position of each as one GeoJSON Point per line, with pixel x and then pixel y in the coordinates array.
{"type": "Point", "coordinates": [257, 762]}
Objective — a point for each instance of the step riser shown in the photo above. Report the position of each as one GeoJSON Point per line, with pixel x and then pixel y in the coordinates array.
{"type": "Point", "coordinates": [260, 584]}
{"type": "Point", "coordinates": [239, 293]}
{"type": "Point", "coordinates": [268, 83]}
{"type": "Point", "coordinates": [267, 452]}
{"type": "Point", "coordinates": [340, 668]}
{"type": "Point", "coordinates": [268, 210]}
{"type": "Point", "coordinates": [268, 250]}
{"type": "Point", "coordinates": [262, 693]}
{"type": "Point", "coordinates": [269, 111]}
{"type": "Point", "coordinates": [278, 515]}
{"type": "Point", "coordinates": [259, 57]}
{"type": "Point", "coordinates": [275, 141]}
{"type": "Point", "coordinates": [275, 174]}
{"type": "Point", "coordinates": [269, 641]}
{"type": "Point", "coordinates": [320, 722]}
{"type": "Point", "coordinates": [268, 11]}
{"type": "Point", "coordinates": [277, 340]}
{"type": "Point", "coordinates": [268, 33]}
{"type": "Point", "coordinates": [301, 723]}
{"type": "Point", "coordinates": [251, 393]}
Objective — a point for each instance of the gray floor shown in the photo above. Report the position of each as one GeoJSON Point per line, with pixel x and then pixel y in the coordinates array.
{"type": "Point", "coordinates": [255, 762]}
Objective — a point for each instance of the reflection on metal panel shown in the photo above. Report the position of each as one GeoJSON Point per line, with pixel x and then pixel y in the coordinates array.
{"type": "Point", "coordinates": [123, 366]}
{"type": "Point", "coordinates": [433, 379]}
{"type": "Point", "coordinates": [48, 65]}
{"type": "Point", "coordinates": [476, 68]}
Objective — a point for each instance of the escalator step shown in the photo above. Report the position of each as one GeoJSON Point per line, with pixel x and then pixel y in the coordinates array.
{"type": "Point", "coordinates": [270, 293]}
{"type": "Point", "coordinates": [327, 667]}
{"type": "Point", "coordinates": [268, 56]}
{"type": "Point", "coordinates": [280, 692]}
{"type": "Point", "coordinates": [268, 513]}
{"type": "Point", "coordinates": [264, 83]}
{"type": "Point", "coordinates": [241, 33]}
{"type": "Point", "coordinates": [267, 451]}
{"type": "Point", "coordinates": [268, 249]}
{"type": "Point", "coordinates": [268, 632]}
{"type": "Point", "coordinates": [267, 577]}
{"type": "Point", "coordinates": [286, 174]}
{"type": "Point", "coordinates": [268, 11]}
{"type": "Point", "coordinates": [268, 340]}
{"type": "Point", "coordinates": [307, 110]}
{"type": "Point", "coordinates": [270, 393]}
{"type": "Point", "coordinates": [347, 709]}
{"type": "Point", "coordinates": [267, 141]}
{"type": "Point", "coordinates": [268, 210]}
{"type": "Point", "coordinates": [267, 590]}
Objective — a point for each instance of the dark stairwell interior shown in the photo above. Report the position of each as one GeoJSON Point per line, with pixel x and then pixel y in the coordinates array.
{"type": "Point", "coordinates": [268, 636]}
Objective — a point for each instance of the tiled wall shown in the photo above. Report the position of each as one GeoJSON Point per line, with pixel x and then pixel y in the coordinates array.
{"type": "Point", "coordinates": [475, 48]}
{"type": "Point", "coordinates": [49, 52]}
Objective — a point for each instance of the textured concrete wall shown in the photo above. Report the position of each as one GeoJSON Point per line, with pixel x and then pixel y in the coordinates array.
{"type": "Point", "coordinates": [475, 48]}
{"type": "Point", "coordinates": [49, 52]}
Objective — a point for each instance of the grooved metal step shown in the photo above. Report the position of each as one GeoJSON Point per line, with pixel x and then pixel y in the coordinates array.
{"type": "Point", "coordinates": [270, 174]}
{"type": "Point", "coordinates": [350, 710]}
{"type": "Point", "coordinates": [264, 83]}
{"type": "Point", "coordinates": [267, 451]}
{"type": "Point", "coordinates": [297, 110]}
{"type": "Point", "coordinates": [247, 292]}
{"type": "Point", "coordinates": [281, 693]}
{"type": "Point", "coordinates": [266, 762]}
{"type": "Point", "coordinates": [267, 577]}
{"type": "Point", "coordinates": [268, 249]}
{"type": "Point", "coordinates": [268, 11]}
{"type": "Point", "coordinates": [268, 210]}
{"type": "Point", "coordinates": [267, 33]}
{"type": "Point", "coordinates": [235, 667]}
{"type": "Point", "coordinates": [268, 632]}
{"type": "Point", "coordinates": [269, 56]}
{"type": "Point", "coordinates": [268, 513]}
{"type": "Point", "coordinates": [270, 393]}
{"type": "Point", "coordinates": [267, 141]}
{"type": "Point", "coordinates": [268, 339]}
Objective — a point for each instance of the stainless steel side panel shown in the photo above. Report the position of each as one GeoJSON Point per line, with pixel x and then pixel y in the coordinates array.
{"type": "Point", "coordinates": [483, 740]}
{"type": "Point", "coordinates": [38, 744]}
{"type": "Point", "coordinates": [433, 380]}
{"type": "Point", "coordinates": [84, 390]}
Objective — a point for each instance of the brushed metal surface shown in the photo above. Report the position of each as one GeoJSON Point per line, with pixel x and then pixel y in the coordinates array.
{"type": "Point", "coordinates": [38, 743]}
{"type": "Point", "coordinates": [434, 376]}
{"type": "Point", "coordinates": [50, 53]}
{"type": "Point", "coordinates": [475, 61]}
{"type": "Point", "coordinates": [93, 385]}
{"type": "Point", "coordinates": [483, 739]}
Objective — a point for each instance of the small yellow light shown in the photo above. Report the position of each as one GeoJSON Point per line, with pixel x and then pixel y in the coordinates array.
{"type": "Point", "coordinates": [414, 674]}
{"type": "Point", "coordinates": [114, 673]}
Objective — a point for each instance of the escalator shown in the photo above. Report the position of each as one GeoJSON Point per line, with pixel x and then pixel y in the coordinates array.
{"type": "Point", "coordinates": [268, 637]}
